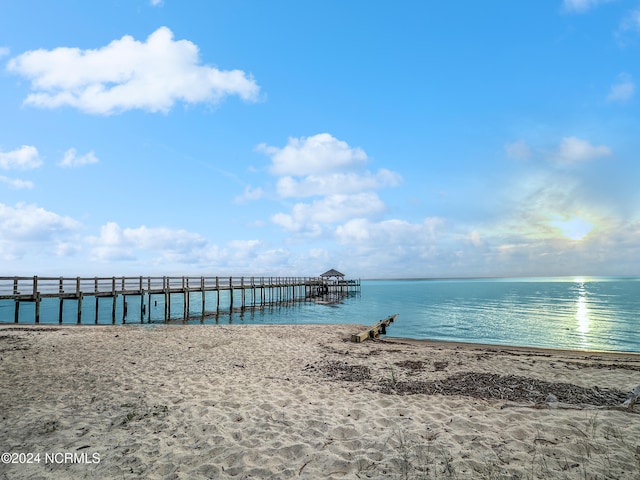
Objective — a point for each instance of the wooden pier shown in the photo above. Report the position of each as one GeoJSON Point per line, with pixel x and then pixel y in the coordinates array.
{"type": "Point", "coordinates": [239, 293]}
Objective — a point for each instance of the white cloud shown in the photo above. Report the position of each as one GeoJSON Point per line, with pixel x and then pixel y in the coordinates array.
{"type": "Point", "coordinates": [128, 74]}
{"type": "Point", "coordinates": [524, 241]}
{"type": "Point", "coordinates": [24, 225]}
{"type": "Point", "coordinates": [156, 3]}
{"type": "Point", "coordinates": [245, 245]}
{"type": "Point", "coordinates": [23, 158]}
{"type": "Point", "coordinates": [396, 247]}
{"type": "Point", "coordinates": [623, 90]}
{"type": "Point", "coordinates": [71, 159]}
{"type": "Point", "coordinates": [116, 243]}
{"type": "Point", "coordinates": [518, 150]}
{"type": "Point", "coordinates": [310, 217]}
{"type": "Point", "coordinates": [4, 51]}
{"type": "Point", "coordinates": [325, 167]}
{"type": "Point", "coordinates": [574, 150]}
{"type": "Point", "coordinates": [320, 153]}
{"type": "Point", "coordinates": [336, 183]}
{"type": "Point", "coordinates": [164, 249]}
{"type": "Point", "coordinates": [389, 233]}
{"type": "Point", "coordinates": [580, 6]}
{"type": "Point", "coordinates": [29, 222]}
{"type": "Point", "coordinates": [16, 182]}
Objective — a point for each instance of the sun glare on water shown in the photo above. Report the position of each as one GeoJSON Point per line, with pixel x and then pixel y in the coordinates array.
{"type": "Point", "coordinates": [582, 308]}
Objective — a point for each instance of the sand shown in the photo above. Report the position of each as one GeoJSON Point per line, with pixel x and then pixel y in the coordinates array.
{"type": "Point", "coordinates": [262, 402]}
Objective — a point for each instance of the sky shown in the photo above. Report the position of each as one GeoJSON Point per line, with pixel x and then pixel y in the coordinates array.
{"type": "Point", "coordinates": [284, 138]}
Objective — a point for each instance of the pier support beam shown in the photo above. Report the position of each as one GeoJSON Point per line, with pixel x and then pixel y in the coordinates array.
{"type": "Point", "coordinates": [203, 293]}
{"type": "Point", "coordinates": [38, 299]}
{"type": "Point", "coordinates": [79, 308]}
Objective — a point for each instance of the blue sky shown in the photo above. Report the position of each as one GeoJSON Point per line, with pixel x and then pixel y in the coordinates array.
{"type": "Point", "coordinates": [384, 139]}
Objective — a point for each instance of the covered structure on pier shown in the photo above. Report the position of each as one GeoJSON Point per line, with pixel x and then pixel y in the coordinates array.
{"type": "Point", "coordinates": [329, 274]}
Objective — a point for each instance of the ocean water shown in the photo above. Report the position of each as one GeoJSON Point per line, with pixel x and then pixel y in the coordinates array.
{"type": "Point", "coordinates": [585, 313]}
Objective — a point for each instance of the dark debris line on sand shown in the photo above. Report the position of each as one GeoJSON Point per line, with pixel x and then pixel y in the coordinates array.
{"type": "Point", "coordinates": [345, 372]}
{"type": "Point", "coordinates": [486, 386]}
{"type": "Point", "coordinates": [490, 386]}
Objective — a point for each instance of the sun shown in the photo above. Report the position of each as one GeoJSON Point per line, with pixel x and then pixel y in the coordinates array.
{"type": "Point", "coordinates": [575, 228]}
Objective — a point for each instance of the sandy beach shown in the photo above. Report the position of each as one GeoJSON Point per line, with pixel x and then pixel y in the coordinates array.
{"type": "Point", "coordinates": [262, 402]}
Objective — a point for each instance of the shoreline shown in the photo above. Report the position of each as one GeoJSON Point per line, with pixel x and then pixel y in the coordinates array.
{"type": "Point", "coordinates": [519, 348]}
{"type": "Point", "coordinates": [302, 401]}
{"type": "Point", "coordinates": [383, 338]}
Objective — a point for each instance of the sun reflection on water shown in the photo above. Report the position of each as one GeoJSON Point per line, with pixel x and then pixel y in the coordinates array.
{"type": "Point", "coordinates": [582, 309]}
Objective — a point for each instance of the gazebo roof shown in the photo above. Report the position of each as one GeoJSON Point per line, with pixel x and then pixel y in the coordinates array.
{"type": "Point", "coordinates": [332, 273]}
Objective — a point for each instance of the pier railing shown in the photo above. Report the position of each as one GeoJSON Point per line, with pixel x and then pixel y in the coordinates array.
{"type": "Point", "coordinates": [253, 291]}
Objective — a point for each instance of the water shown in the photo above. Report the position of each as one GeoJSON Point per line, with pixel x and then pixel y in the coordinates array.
{"type": "Point", "coordinates": [591, 313]}
{"type": "Point", "coordinates": [574, 313]}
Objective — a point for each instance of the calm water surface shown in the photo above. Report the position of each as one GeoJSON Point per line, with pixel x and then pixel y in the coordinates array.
{"type": "Point", "coordinates": [590, 313]}
{"type": "Point", "coordinates": [575, 313]}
